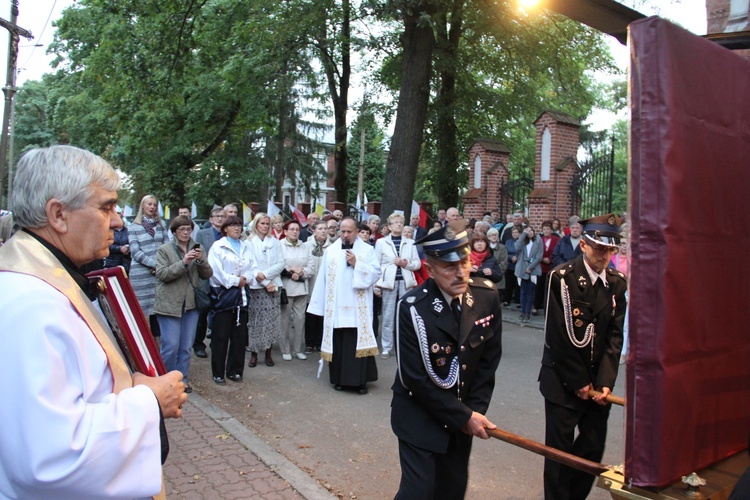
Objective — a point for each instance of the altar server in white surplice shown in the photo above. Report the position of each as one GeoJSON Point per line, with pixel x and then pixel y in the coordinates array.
{"type": "Point", "coordinates": [75, 422]}
{"type": "Point", "coordinates": [343, 296]}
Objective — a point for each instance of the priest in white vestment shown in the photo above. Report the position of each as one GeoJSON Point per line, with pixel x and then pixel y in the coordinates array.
{"type": "Point", "coordinates": [76, 423]}
{"type": "Point", "coordinates": [343, 296]}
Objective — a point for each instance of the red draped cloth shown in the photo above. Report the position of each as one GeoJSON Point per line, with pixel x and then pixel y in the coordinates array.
{"type": "Point", "coordinates": [689, 369]}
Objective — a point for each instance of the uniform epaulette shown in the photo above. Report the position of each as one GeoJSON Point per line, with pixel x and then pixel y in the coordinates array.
{"type": "Point", "coordinates": [563, 269]}
{"type": "Point", "coordinates": [416, 295]}
{"type": "Point", "coordinates": [615, 272]}
{"type": "Point", "coordinates": [481, 282]}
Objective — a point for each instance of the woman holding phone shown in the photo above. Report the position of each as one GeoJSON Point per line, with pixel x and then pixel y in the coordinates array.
{"type": "Point", "coordinates": [180, 265]}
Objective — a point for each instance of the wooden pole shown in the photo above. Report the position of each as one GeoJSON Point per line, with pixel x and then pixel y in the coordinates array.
{"type": "Point", "coordinates": [611, 398]}
{"type": "Point", "coordinates": [593, 468]}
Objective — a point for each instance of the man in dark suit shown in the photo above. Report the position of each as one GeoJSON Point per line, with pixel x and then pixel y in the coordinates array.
{"type": "Point", "coordinates": [583, 339]}
{"type": "Point", "coordinates": [419, 231]}
{"type": "Point", "coordinates": [206, 237]}
{"type": "Point", "coordinates": [448, 344]}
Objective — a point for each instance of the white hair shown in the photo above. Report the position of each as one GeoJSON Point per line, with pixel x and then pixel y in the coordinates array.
{"type": "Point", "coordinates": [65, 173]}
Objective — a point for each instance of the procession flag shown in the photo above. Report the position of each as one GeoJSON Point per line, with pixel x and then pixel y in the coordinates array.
{"type": "Point", "coordinates": [247, 214]}
{"type": "Point", "coordinates": [161, 210]}
{"type": "Point", "coordinates": [193, 211]}
{"type": "Point", "coordinates": [319, 208]}
{"type": "Point", "coordinates": [272, 209]}
{"type": "Point", "coordinates": [416, 209]}
{"type": "Point", "coordinates": [166, 212]}
{"type": "Point", "coordinates": [298, 215]}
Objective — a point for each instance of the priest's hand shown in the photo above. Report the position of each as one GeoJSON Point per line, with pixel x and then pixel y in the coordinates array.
{"type": "Point", "coordinates": [476, 426]}
{"type": "Point", "coordinates": [168, 389]}
{"type": "Point", "coordinates": [351, 258]}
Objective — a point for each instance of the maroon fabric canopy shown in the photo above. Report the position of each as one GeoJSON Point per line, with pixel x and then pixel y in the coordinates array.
{"type": "Point", "coordinates": [689, 371]}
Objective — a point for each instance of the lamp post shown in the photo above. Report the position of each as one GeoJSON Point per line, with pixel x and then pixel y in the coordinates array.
{"type": "Point", "coordinates": [14, 32]}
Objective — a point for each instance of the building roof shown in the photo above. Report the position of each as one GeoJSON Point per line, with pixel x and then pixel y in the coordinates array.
{"type": "Point", "coordinates": [491, 145]}
{"type": "Point", "coordinates": [560, 117]}
{"type": "Point", "coordinates": [473, 193]}
{"type": "Point", "coordinates": [540, 193]}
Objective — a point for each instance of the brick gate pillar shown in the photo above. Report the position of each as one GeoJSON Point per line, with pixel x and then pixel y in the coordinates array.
{"type": "Point", "coordinates": [488, 168]}
{"type": "Point", "coordinates": [557, 141]}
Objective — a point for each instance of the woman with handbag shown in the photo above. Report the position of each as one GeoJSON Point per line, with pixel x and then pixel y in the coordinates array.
{"type": "Point", "coordinates": [179, 267]}
{"type": "Point", "coordinates": [234, 270]}
{"type": "Point", "coordinates": [264, 313]}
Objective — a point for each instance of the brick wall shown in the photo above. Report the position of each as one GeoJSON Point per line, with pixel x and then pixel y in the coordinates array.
{"type": "Point", "coordinates": [557, 202]}
{"type": "Point", "coordinates": [494, 172]}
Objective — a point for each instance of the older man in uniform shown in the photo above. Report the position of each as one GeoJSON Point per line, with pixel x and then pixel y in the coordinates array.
{"type": "Point", "coordinates": [76, 422]}
{"type": "Point", "coordinates": [583, 339]}
{"type": "Point", "coordinates": [448, 348]}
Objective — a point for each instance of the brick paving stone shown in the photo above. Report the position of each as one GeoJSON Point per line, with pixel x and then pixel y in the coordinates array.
{"type": "Point", "coordinates": [201, 465]}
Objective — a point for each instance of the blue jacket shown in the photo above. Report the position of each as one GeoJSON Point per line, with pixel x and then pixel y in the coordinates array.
{"type": "Point", "coordinates": [564, 251]}
{"type": "Point", "coordinates": [116, 257]}
{"type": "Point", "coordinates": [512, 252]}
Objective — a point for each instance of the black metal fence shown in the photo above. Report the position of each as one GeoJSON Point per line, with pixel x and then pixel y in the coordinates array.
{"type": "Point", "coordinates": [593, 184]}
{"type": "Point", "coordinates": [514, 195]}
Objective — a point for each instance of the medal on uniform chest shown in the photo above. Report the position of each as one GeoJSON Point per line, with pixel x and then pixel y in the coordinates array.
{"type": "Point", "coordinates": [440, 361]}
{"type": "Point", "coordinates": [435, 348]}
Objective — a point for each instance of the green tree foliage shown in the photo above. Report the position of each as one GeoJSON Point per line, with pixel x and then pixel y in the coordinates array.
{"type": "Point", "coordinates": [374, 164]}
{"type": "Point", "coordinates": [194, 100]}
{"type": "Point", "coordinates": [495, 71]}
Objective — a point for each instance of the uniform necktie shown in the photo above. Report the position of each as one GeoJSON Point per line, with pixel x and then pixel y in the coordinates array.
{"type": "Point", "coordinates": [456, 307]}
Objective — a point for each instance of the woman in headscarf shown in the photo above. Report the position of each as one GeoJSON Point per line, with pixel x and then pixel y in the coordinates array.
{"type": "Point", "coordinates": [145, 235]}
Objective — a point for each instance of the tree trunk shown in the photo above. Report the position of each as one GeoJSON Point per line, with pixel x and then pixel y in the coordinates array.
{"type": "Point", "coordinates": [339, 92]}
{"type": "Point", "coordinates": [403, 158]}
{"type": "Point", "coordinates": [446, 131]}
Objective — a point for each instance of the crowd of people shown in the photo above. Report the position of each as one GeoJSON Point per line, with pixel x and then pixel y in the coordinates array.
{"type": "Point", "coordinates": [264, 275]}
{"type": "Point", "coordinates": [315, 285]}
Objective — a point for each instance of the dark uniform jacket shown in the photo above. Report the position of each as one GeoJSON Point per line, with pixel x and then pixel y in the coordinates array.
{"type": "Point", "coordinates": [566, 367]}
{"type": "Point", "coordinates": [423, 413]}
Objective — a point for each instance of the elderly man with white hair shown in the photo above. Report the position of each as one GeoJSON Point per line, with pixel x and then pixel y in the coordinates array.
{"type": "Point", "coordinates": [76, 422]}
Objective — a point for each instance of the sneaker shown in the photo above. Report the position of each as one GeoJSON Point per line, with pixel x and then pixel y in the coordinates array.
{"type": "Point", "coordinates": [301, 356]}
{"type": "Point", "coordinates": [385, 355]}
{"type": "Point", "coordinates": [219, 380]}
{"type": "Point", "coordinates": [286, 357]}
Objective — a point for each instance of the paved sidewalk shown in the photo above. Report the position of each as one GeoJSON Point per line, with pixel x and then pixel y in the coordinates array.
{"type": "Point", "coordinates": [214, 456]}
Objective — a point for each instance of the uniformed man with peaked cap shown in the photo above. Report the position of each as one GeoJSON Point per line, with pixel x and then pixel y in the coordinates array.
{"type": "Point", "coordinates": [583, 340]}
{"type": "Point", "coordinates": [448, 341]}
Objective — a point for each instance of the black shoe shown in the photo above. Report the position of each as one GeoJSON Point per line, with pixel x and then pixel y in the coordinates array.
{"type": "Point", "coordinates": [309, 350]}
{"type": "Point", "coordinates": [220, 380]}
{"type": "Point", "coordinates": [235, 378]}
{"type": "Point", "coordinates": [506, 304]}
{"type": "Point", "coordinates": [188, 389]}
{"type": "Point", "coordinates": [362, 389]}
{"type": "Point", "coordinates": [200, 352]}
{"type": "Point", "coordinates": [338, 387]}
